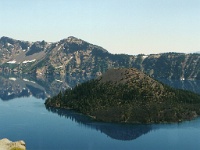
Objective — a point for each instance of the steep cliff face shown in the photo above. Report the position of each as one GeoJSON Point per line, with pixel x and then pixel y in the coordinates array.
{"type": "Point", "coordinates": [173, 66]}
{"type": "Point", "coordinates": [75, 57]}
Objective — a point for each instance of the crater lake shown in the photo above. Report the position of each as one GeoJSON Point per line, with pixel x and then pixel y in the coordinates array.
{"type": "Point", "coordinates": [24, 117]}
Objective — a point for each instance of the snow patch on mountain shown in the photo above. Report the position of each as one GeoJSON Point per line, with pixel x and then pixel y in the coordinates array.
{"type": "Point", "coordinates": [11, 62]}
{"type": "Point", "coordinates": [27, 61]}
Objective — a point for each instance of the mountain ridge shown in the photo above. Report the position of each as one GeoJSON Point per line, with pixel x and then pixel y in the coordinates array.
{"type": "Point", "coordinates": [71, 56]}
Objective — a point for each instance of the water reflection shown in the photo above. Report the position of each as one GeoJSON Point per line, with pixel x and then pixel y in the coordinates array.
{"type": "Point", "coordinates": [115, 131]}
{"type": "Point", "coordinates": [26, 85]}
{"type": "Point", "coordinates": [13, 86]}
{"type": "Point", "coordinates": [123, 132]}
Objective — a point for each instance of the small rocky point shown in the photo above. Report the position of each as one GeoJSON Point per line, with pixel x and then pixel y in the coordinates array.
{"type": "Point", "coordinates": [6, 144]}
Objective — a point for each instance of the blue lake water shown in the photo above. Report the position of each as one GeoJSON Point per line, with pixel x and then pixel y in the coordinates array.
{"type": "Point", "coordinates": [27, 118]}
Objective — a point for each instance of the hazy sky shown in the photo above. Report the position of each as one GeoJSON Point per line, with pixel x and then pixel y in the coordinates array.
{"type": "Point", "coordinates": [120, 26]}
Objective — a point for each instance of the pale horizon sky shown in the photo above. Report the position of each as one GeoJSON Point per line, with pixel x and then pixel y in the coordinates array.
{"type": "Point", "coordinates": [120, 26]}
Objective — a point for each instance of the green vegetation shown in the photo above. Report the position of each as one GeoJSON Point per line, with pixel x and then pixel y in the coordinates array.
{"type": "Point", "coordinates": [11, 66]}
{"type": "Point", "coordinates": [129, 96]}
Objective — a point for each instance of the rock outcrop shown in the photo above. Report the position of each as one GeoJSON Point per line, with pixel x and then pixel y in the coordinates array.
{"type": "Point", "coordinates": [6, 144]}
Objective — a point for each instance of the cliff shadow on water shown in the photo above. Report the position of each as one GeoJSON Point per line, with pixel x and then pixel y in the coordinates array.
{"type": "Point", "coordinates": [124, 132]}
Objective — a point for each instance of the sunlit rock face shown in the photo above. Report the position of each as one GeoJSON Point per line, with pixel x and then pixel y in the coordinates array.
{"type": "Point", "coordinates": [6, 144]}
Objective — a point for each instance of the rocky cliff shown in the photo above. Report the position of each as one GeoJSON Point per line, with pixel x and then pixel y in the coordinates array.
{"type": "Point", "coordinates": [75, 57]}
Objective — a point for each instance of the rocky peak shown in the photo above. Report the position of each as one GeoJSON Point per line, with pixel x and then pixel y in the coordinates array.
{"type": "Point", "coordinates": [5, 40]}
{"type": "Point", "coordinates": [72, 39]}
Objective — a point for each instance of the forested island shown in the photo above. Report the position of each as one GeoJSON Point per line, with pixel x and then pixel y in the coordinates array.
{"type": "Point", "coordinates": [128, 96]}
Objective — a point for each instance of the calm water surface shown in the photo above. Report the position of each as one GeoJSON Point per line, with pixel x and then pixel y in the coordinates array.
{"type": "Point", "coordinates": [45, 129]}
{"type": "Point", "coordinates": [28, 119]}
